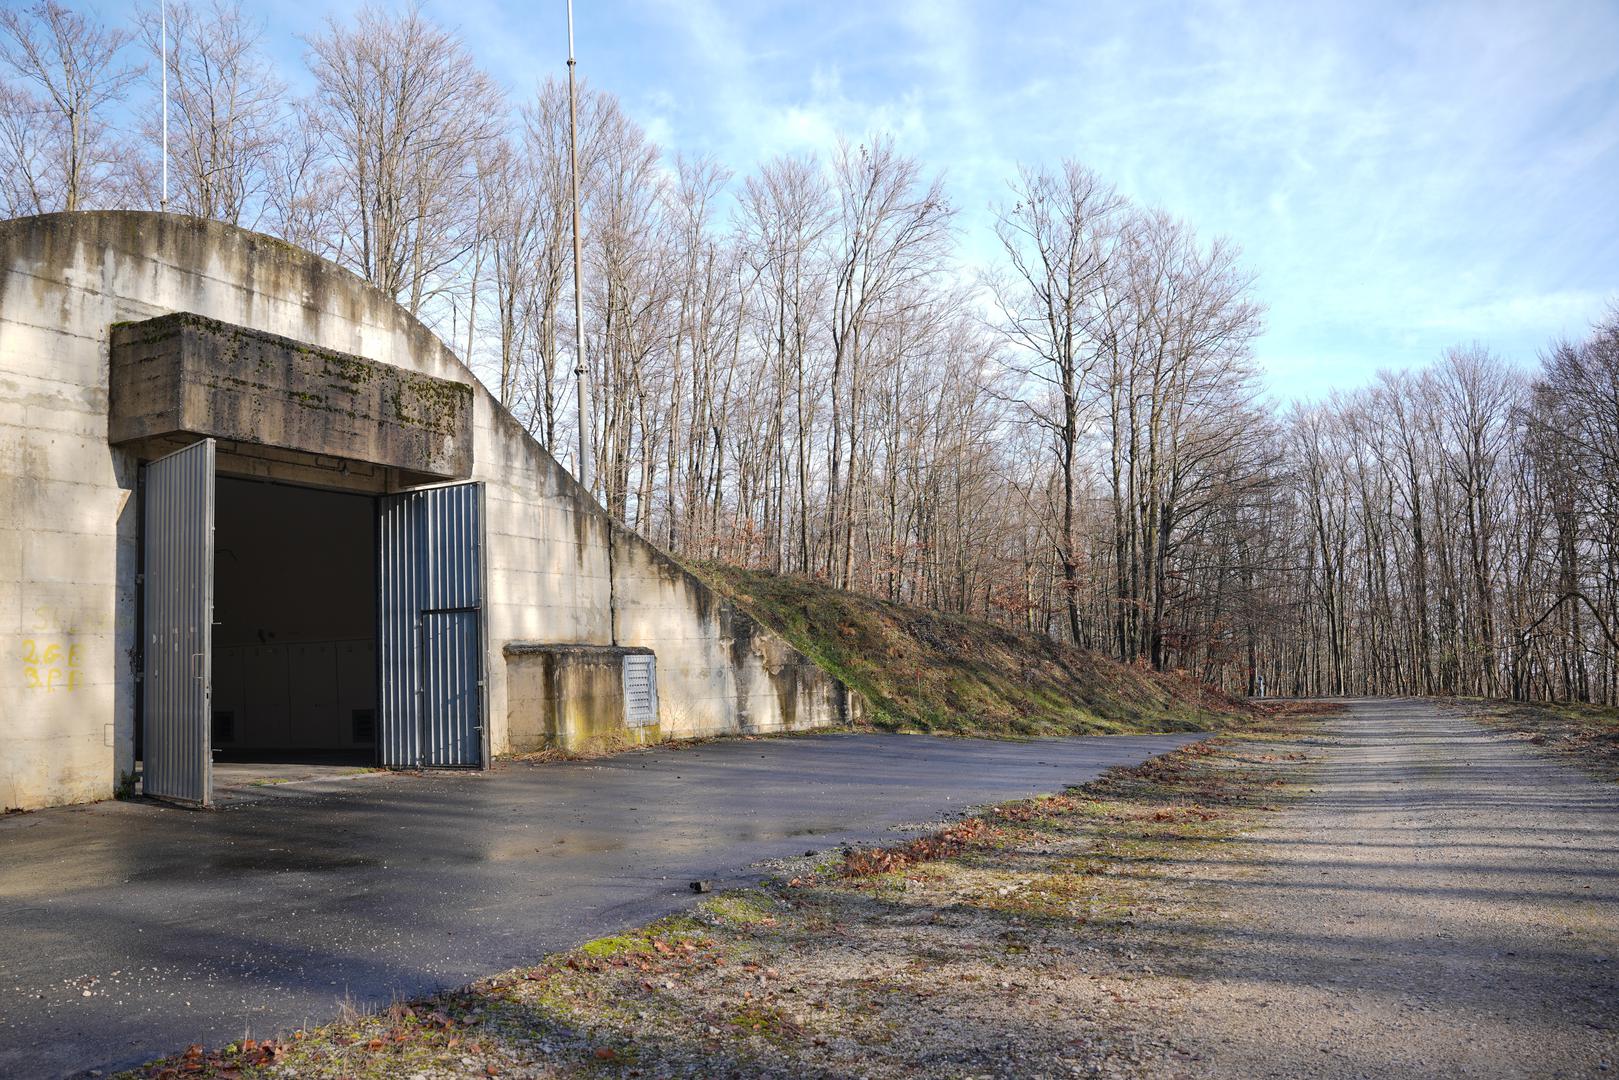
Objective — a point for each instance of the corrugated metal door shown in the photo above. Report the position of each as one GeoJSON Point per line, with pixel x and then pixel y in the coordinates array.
{"type": "Point", "coordinates": [178, 612]}
{"type": "Point", "coordinates": [431, 654]}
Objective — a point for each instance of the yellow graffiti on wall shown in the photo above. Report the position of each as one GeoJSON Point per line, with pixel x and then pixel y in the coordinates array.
{"type": "Point", "coordinates": [50, 666]}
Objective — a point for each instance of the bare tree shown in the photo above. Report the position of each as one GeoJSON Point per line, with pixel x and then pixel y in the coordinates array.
{"type": "Point", "coordinates": [1058, 236]}
{"type": "Point", "coordinates": [60, 154]}
{"type": "Point", "coordinates": [25, 155]}
{"type": "Point", "coordinates": [227, 114]}
{"type": "Point", "coordinates": [630, 295]}
{"type": "Point", "coordinates": [405, 113]}
{"type": "Point", "coordinates": [785, 213]}
{"type": "Point", "coordinates": [1479, 398]}
{"type": "Point", "coordinates": [892, 228]}
{"type": "Point", "coordinates": [303, 189]}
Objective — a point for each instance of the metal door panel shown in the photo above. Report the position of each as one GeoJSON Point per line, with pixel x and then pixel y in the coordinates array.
{"type": "Point", "coordinates": [178, 612]}
{"type": "Point", "coordinates": [398, 651]}
{"type": "Point", "coordinates": [453, 523]}
{"type": "Point", "coordinates": [430, 650]}
{"type": "Point", "coordinates": [452, 657]}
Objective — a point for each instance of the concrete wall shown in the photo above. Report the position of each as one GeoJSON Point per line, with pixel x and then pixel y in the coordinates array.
{"type": "Point", "coordinates": [185, 373]}
{"type": "Point", "coordinates": [569, 697]}
{"type": "Point", "coordinates": [711, 651]}
{"type": "Point", "coordinates": [68, 523]}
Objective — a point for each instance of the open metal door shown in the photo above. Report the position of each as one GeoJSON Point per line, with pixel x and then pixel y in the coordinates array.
{"type": "Point", "coordinates": [431, 628]}
{"type": "Point", "coordinates": [178, 612]}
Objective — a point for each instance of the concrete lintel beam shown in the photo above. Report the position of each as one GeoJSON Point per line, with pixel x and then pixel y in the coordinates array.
{"type": "Point", "coordinates": [186, 374]}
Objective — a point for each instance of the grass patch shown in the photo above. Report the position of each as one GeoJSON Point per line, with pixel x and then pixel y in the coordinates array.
{"type": "Point", "coordinates": [742, 908]}
{"type": "Point", "coordinates": [1012, 935]}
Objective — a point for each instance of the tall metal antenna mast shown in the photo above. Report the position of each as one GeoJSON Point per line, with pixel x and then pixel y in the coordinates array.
{"type": "Point", "coordinates": [163, 204]}
{"type": "Point", "coordinates": [581, 376]}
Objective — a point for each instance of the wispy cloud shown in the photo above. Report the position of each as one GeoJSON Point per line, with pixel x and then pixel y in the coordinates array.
{"type": "Point", "coordinates": [1401, 176]}
{"type": "Point", "coordinates": [1572, 311]}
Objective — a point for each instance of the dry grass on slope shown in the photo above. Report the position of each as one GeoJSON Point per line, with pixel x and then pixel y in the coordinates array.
{"type": "Point", "coordinates": [1584, 735]}
{"type": "Point", "coordinates": [925, 670]}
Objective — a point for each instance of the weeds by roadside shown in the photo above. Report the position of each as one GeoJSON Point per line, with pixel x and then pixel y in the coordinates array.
{"type": "Point", "coordinates": [1003, 943]}
{"type": "Point", "coordinates": [1585, 735]}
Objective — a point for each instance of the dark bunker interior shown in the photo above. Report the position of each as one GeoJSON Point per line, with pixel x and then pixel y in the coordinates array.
{"type": "Point", "coordinates": [295, 624]}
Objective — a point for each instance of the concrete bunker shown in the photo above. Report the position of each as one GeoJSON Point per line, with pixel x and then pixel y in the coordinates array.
{"type": "Point", "coordinates": [584, 697]}
{"type": "Point", "coordinates": [249, 505]}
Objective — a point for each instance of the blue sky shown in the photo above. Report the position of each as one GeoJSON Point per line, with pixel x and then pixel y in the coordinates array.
{"type": "Point", "coordinates": [1402, 177]}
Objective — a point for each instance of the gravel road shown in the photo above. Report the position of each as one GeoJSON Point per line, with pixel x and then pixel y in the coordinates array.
{"type": "Point", "coordinates": [1445, 903]}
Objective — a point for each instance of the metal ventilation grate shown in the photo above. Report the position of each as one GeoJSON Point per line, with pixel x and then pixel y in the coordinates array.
{"type": "Point", "coordinates": [640, 690]}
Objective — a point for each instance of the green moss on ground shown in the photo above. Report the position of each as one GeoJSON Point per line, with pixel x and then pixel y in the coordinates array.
{"type": "Point", "coordinates": [924, 670]}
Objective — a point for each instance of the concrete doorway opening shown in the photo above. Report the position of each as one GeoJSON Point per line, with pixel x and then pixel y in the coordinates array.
{"type": "Point", "coordinates": [307, 626]}
{"type": "Point", "coordinates": [294, 667]}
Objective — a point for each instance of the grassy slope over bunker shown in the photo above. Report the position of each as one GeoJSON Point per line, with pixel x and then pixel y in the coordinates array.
{"type": "Point", "coordinates": [928, 671]}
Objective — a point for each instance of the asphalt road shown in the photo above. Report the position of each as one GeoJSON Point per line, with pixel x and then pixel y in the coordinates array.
{"type": "Point", "coordinates": [128, 930]}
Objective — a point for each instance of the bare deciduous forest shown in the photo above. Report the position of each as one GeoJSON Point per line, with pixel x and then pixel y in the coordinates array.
{"type": "Point", "coordinates": [795, 369]}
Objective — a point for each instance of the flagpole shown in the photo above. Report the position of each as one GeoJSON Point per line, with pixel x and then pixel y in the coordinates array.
{"type": "Point", "coordinates": [580, 374]}
{"type": "Point", "coordinates": [163, 204]}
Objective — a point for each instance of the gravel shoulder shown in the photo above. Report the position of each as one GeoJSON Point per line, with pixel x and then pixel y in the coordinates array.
{"type": "Point", "coordinates": [1445, 903]}
{"type": "Point", "coordinates": [1585, 736]}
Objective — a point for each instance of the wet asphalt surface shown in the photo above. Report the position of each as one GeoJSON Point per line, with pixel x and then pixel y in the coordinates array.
{"type": "Point", "coordinates": [128, 930]}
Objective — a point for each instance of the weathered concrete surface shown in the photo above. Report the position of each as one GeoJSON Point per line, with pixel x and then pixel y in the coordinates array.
{"type": "Point", "coordinates": [186, 374]}
{"type": "Point", "coordinates": [569, 697]}
{"type": "Point", "coordinates": [557, 569]}
{"type": "Point", "coordinates": [132, 930]}
{"type": "Point", "coordinates": [709, 649]}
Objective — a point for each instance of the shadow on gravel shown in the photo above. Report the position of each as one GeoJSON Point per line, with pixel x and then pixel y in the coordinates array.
{"type": "Point", "coordinates": [1445, 903]}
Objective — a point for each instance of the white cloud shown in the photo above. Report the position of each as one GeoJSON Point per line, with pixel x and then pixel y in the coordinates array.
{"type": "Point", "coordinates": [1573, 311]}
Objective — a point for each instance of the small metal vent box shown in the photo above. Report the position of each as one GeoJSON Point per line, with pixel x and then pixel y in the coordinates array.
{"type": "Point", "coordinates": [640, 690]}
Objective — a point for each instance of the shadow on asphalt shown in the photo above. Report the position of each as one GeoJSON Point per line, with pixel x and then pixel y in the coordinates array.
{"type": "Point", "coordinates": [133, 929]}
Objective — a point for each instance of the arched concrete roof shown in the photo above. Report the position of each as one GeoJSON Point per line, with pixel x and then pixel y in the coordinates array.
{"type": "Point", "coordinates": [219, 256]}
{"type": "Point", "coordinates": [88, 269]}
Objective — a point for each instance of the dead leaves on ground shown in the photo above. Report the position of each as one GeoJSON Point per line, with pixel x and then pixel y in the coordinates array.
{"type": "Point", "coordinates": [227, 1063]}
{"type": "Point", "coordinates": [1182, 814]}
{"type": "Point", "coordinates": [406, 1025]}
{"type": "Point", "coordinates": [866, 862]}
